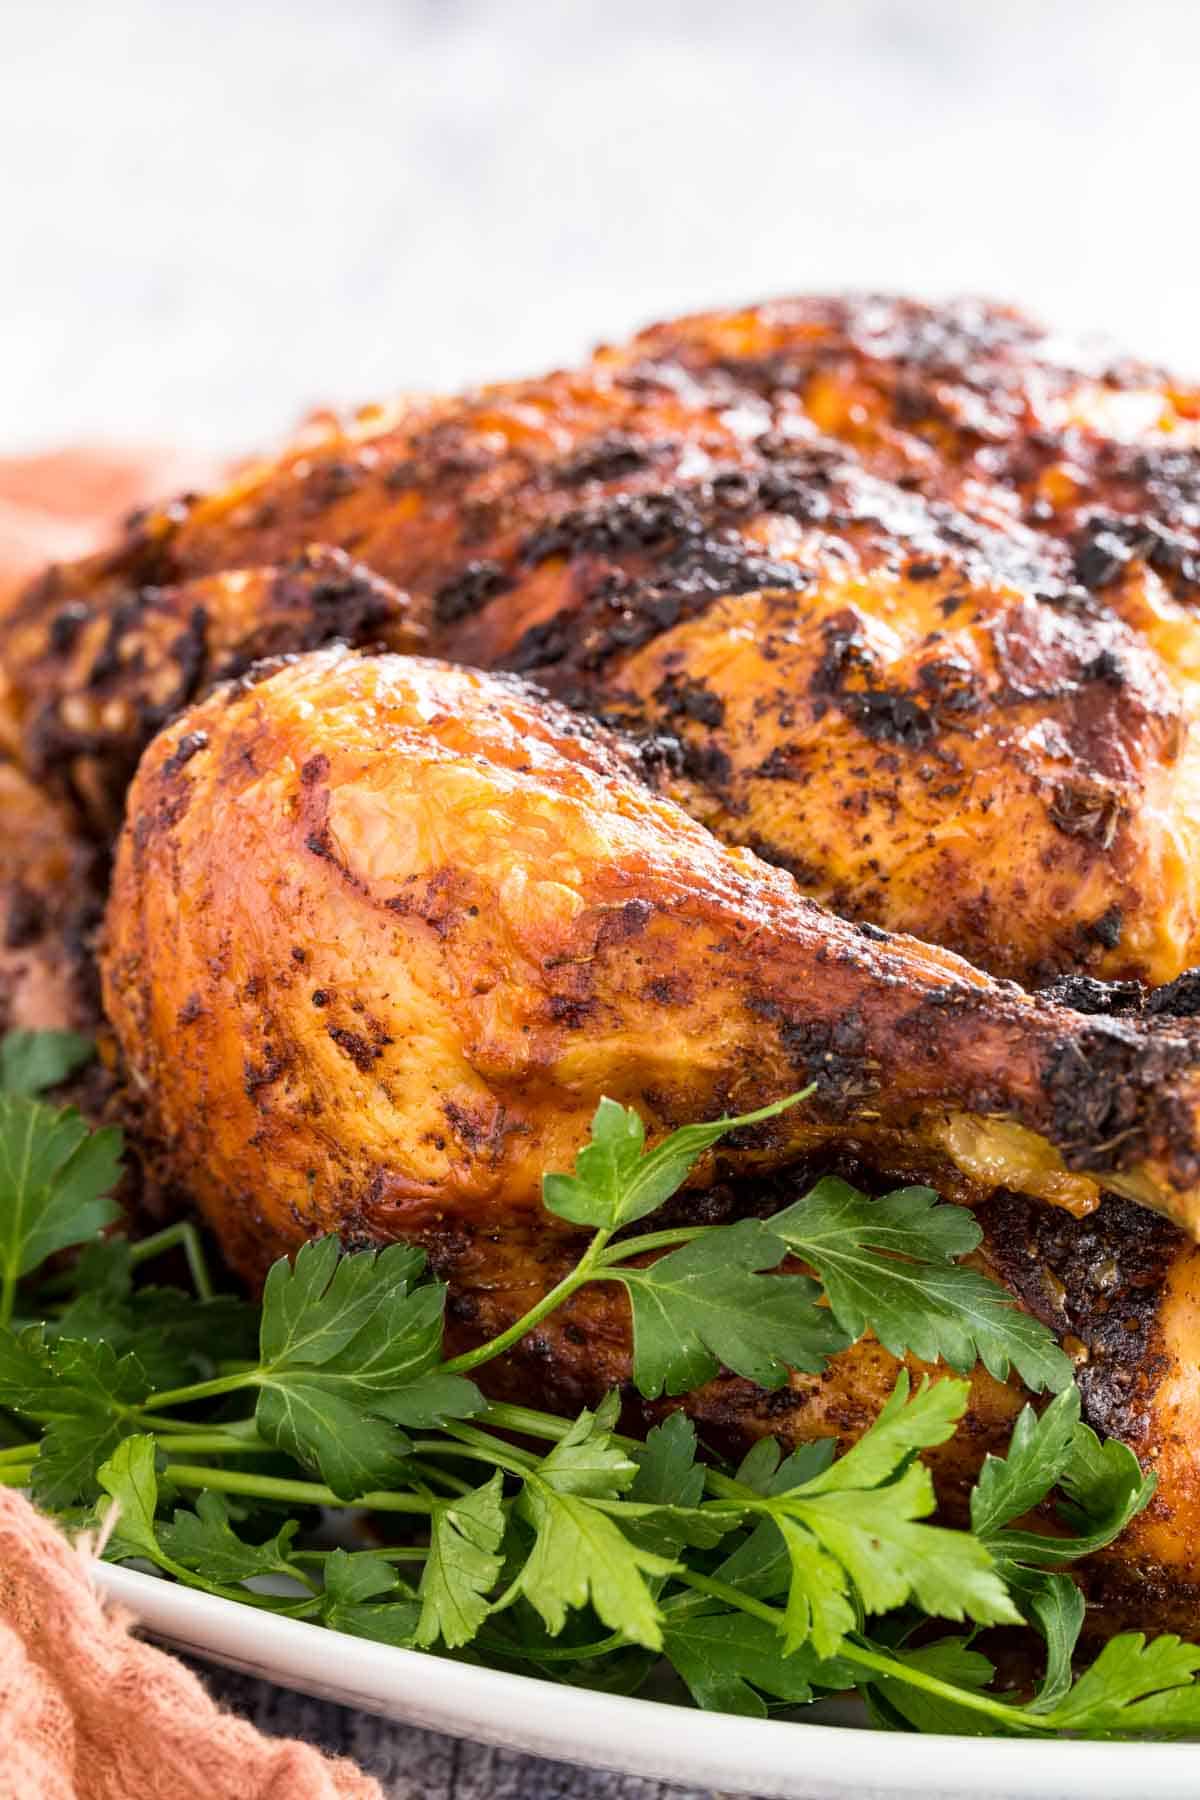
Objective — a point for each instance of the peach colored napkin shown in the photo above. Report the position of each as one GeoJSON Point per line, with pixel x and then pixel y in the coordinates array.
{"type": "Point", "coordinates": [87, 1712]}
{"type": "Point", "coordinates": [65, 503]}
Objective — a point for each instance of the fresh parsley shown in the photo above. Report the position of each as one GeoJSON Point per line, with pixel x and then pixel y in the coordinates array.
{"type": "Point", "coordinates": [56, 1182]}
{"type": "Point", "coordinates": [203, 1435]}
{"type": "Point", "coordinates": [891, 1266]}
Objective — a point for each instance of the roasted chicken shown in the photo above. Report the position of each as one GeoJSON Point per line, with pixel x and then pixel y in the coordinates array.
{"type": "Point", "coordinates": [903, 594]}
{"type": "Point", "coordinates": [863, 603]}
{"type": "Point", "coordinates": [51, 897]}
{"type": "Point", "coordinates": [382, 931]}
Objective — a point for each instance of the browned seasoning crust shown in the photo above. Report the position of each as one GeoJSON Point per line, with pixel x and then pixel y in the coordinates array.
{"type": "Point", "coordinates": [383, 930]}
{"type": "Point", "coordinates": [903, 596]}
{"type": "Point", "coordinates": [51, 897]}
{"type": "Point", "coordinates": [97, 683]}
{"type": "Point", "coordinates": [501, 921]}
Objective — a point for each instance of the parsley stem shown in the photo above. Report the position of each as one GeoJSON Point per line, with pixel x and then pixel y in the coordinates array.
{"type": "Point", "coordinates": [541, 1653]}
{"type": "Point", "coordinates": [387, 1553]}
{"type": "Point", "coordinates": [562, 1291]}
{"type": "Point", "coordinates": [529, 1423]}
{"type": "Point", "coordinates": [17, 1476]}
{"type": "Point", "coordinates": [173, 1237]}
{"type": "Point", "coordinates": [18, 1453]}
{"type": "Point", "coordinates": [304, 1493]}
{"type": "Point", "coordinates": [1015, 1717]}
{"type": "Point", "coordinates": [890, 1668]}
{"type": "Point", "coordinates": [213, 1443]}
{"type": "Point", "coordinates": [721, 1590]}
{"type": "Point", "coordinates": [433, 1476]}
{"type": "Point", "coordinates": [481, 1446]}
{"type": "Point", "coordinates": [147, 1421]}
{"type": "Point", "coordinates": [8, 1293]}
{"type": "Point", "coordinates": [526, 1420]}
{"type": "Point", "coordinates": [204, 1390]}
{"type": "Point", "coordinates": [655, 1240]}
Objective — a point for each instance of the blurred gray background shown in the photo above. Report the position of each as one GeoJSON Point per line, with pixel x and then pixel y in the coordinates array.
{"type": "Point", "coordinates": [214, 215]}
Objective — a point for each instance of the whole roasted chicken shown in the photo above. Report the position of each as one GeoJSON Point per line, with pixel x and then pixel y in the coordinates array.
{"type": "Point", "coordinates": [860, 619]}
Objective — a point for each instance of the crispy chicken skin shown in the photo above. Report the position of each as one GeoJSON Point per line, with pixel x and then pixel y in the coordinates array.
{"type": "Point", "coordinates": [902, 600]}
{"type": "Point", "coordinates": [382, 931]}
{"type": "Point", "coordinates": [495, 921]}
{"type": "Point", "coordinates": [51, 898]}
{"type": "Point", "coordinates": [95, 684]}
{"type": "Point", "coordinates": [904, 594]}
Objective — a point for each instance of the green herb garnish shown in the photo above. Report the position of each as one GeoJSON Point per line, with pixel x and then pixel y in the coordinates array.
{"type": "Point", "coordinates": [201, 1434]}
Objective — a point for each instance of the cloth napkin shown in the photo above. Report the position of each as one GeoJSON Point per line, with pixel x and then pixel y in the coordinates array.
{"type": "Point", "coordinates": [65, 503]}
{"type": "Point", "coordinates": [88, 1712]}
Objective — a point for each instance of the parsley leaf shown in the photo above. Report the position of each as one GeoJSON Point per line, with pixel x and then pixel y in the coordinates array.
{"type": "Point", "coordinates": [614, 1183]}
{"type": "Point", "coordinates": [706, 1304]}
{"type": "Point", "coordinates": [670, 1480]}
{"type": "Point", "coordinates": [205, 1541]}
{"type": "Point", "coordinates": [55, 1176]}
{"type": "Point", "coordinates": [175, 1337]}
{"type": "Point", "coordinates": [1103, 1486]}
{"type": "Point", "coordinates": [77, 1391]}
{"type": "Point", "coordinates": [760, 1565]}
{"type": "Point", "coordinates": [888, 1265]}
{"type": "Point", "coordinates": [1013, 1484]}
{"type": "Point", "coordinates": [579, 1552]}
{"type": "Point", "coordinates": [1055, 1607]}
{"type": "Point", "coordinates": [951, 1660]}
{"type": "Point", "coordinates": [463, 1565]}
{"type": "Point", "coordinates": [350, 1352]}
{"type": "Point", "coordinates": [820, 1602]}
{"type": "Point", "coordinates": [130, 1479]}
{"type": "Point", "coordinates": [906, 1423]}
{"type": "Point", "coordinates": [1157, 1676]}
{"type": "Point", "coordinates": [31, 1061]}
{"type": "Point", "coordinates": [729, 1660]}
{"type": "Point", "coordinates": [853, 1532]}
{"type": "Point", "coordinates": [352, 1602]}
{"type": "Point", "coordinates": [314, 1306]}
{"type": "Point", "coordinates": [890, 1557]}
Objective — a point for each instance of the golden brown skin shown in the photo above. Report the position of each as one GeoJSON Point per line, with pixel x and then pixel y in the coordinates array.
{"type": "Point", "coordinates": [381, 933]}
{"type": "Point", "coordinates": [495, 921]}
{"type": "Point", "coordinates": [901, 597]}
{"type": "Point", "coordinates": [95, 685]}
{"type": "Point", "coordinates": [51, 897]}
{"type": "Point", "coordinates": [904, 594]}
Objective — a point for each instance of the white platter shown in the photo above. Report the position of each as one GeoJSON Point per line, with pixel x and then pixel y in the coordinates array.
{"type": "Point", "coordinates": [771, 1758]}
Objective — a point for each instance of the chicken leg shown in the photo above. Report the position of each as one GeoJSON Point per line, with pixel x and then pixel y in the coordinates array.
{"type": "Point", "coordinates": [382, 931]}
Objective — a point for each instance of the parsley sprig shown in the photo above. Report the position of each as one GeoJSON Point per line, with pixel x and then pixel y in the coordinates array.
{"type": "Point", "coordinates": [201, 1435]}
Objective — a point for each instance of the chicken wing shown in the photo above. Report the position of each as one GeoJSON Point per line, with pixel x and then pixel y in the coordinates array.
{"type": "Point", "coordinates": [95, 684]}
